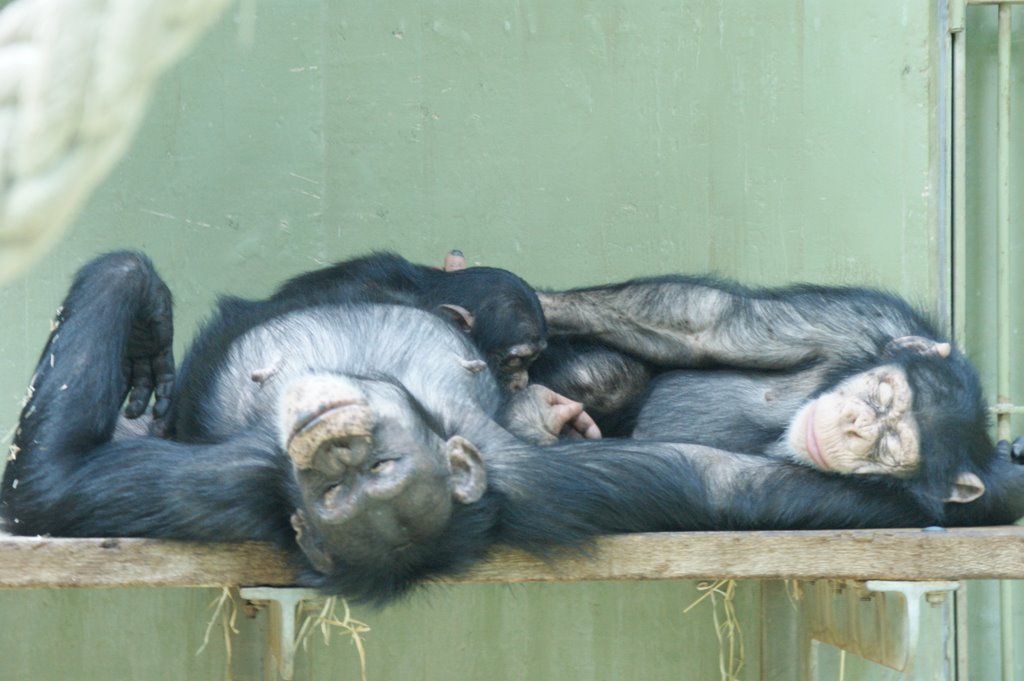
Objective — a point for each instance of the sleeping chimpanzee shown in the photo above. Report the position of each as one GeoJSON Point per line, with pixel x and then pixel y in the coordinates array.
{"type": "Point", "coordinates": [365, 440]}
{"type": "Point", "coordinates": [498, 310]}
{"type": "Point", "coordinates": [291, 418]}
{"type": "Point", "coordinates": [846, 380]}
{"type": "Point", "coordinates": [507, 328]}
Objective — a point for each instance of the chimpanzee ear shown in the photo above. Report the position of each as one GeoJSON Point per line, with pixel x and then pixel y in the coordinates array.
{"type": "Point", "coordinates": [469, 477]}
{"type": "Point", "coordinates": [310, 545]}
{"type": "Point", "coordinates": [462, 317]}
{"type": "Point", "coordinates": [966, 488]}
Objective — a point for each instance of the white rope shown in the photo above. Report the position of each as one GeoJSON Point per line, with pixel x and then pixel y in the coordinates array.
{"type": "Point", "coordinates": [75, 79]}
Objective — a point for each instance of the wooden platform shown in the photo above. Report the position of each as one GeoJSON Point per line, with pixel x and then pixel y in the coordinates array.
{"type": "Point", "coordinates": [963, 553]}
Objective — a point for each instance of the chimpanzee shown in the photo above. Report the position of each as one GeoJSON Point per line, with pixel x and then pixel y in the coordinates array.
{"type": "Point", "coordinates": [498, 309]}
{"type": "Point", "coordinates": [847, 380]}
{"type": "Point", "coordinates": [363, 439]}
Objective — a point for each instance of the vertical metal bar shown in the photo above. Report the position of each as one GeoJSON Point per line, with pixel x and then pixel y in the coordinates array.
{"type": "Point", "coordinates": [1003, 220]}
{"type": "Point", "coordinates": [943, 77]}
{"type": "Point", "coordinates": [958, 221]}
{"type": "Point", "coordinates": [1003, 293]}
{"type": "Point", "coordinates": [943, 103]}
{"type": "Point", "coordinates": [1006, 622]}
{"type": "Point", "coordinates": [961, 605]}
{"type": "Point", "coordinates": [957, 26]}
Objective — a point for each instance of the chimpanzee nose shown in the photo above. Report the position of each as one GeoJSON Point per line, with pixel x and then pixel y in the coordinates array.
{"type": "Point", "coordinates": [859, 419]}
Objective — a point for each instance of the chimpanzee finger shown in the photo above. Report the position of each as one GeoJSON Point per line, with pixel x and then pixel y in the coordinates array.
{"type": "Point", "coordinates": [585, 425]}
{"type": "Point", "coordinates": [162, 401]}
{"type": "Point", "coordinates": [561, 415]}
{"type": "Point", "coordinates": [163, 369]}
{"type": "Point", "coordinates": [141, 388]}
{"type": "Point", "coordinates": [138, 399]}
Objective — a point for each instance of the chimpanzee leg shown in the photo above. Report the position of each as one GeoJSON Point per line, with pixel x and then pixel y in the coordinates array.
{"type": "Point", "coordinates": [692, 322]}
{"type": "Point", "coordinates": [112, 338]}
{"type": "Point", "coordinates": [112, 333]}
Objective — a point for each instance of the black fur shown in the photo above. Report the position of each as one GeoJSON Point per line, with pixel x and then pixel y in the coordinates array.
{"type": "Point", "coordinates": [226, 478]}
{"type": "Point", "coordinates": [505, 307]}
{"type": "Point", "coordinates": [753, 358]}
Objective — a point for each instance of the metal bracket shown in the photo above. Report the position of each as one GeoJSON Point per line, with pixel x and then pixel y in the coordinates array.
{"type": "Point", "coordinates": [282, 610]}
{"type": "Point", "coordinates": [957, 10]}
{"type": "Point", "coordinates": [877, 620]}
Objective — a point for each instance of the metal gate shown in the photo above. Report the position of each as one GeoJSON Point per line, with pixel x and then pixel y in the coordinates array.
{"type": "Point", "coordinates": [1005, 405]}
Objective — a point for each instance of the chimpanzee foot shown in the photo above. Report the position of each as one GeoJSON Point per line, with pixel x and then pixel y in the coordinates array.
{"type": "Point", "coordinates": [918, 344]}
{"type": "Point", "coordinates": [320, 410]}
{"type": "Point", "coordinates": [1017, 451]}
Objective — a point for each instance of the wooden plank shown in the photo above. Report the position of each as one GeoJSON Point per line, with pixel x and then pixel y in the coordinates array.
{"type": "Point", "coordinates": [904, 554]}
{"type": "Point", "coordinates": [907, 554]}
{"type": "Point", "coordinates": [27, 562]}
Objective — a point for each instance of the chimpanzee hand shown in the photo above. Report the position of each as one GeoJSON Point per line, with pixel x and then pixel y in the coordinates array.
{"type": "Point", "coordinates": [149, 355]}
{"type": "Point", "coordinates": [1014, 451]}
{"type": "Point", "coordinates": [540, 415]}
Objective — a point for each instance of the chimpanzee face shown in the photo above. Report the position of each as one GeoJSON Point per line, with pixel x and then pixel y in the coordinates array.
{"type": "Point", "coordinates": [374, 477]}
{"type": "Point", "coordinates": [863, 425]}
{"type": "Point", "coordinates": [512, 365]}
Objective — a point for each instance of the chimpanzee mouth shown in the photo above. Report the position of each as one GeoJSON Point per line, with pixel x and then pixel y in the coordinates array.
{"type": "Point", "coordinates": [813, 450]}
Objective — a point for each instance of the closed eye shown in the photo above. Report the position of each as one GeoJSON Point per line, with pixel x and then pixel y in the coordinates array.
{"type": "Point", "coordinates": [890, 452]}
{"type": "Point", "coordinates": [885, 395]}
{"type": "Point", "coordinates": [512, 364]}
{"type": "Point", "coordinates": [383, 466]}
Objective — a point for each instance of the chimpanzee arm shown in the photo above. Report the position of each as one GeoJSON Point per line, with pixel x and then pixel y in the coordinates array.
{"type": "Point", "coordinates": [692, 322]}
{"type": "Point", "coordinates": [66, 476]}
{"type": "Point", "coordinates": [149, 487]}
{"type": "Point", "coordinates": [575, 491]}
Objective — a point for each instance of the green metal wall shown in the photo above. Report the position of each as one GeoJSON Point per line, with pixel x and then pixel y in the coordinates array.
{"type": "Point", "coordinates": [573, 142]}
{"type": "Point", "coordinates": [986, 654]}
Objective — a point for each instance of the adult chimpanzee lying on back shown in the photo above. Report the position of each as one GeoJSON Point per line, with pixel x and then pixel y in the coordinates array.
{"type": "Point", "coordinates": [850, 381]}
{"type": "Point", "coordinates": [499, 311]}
{"type": "Point", "coordinates": [371, 448]}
